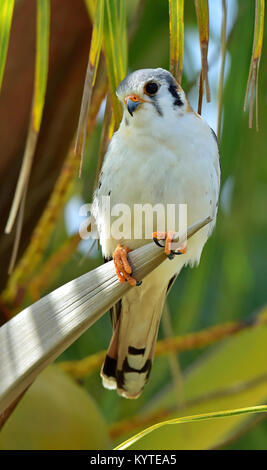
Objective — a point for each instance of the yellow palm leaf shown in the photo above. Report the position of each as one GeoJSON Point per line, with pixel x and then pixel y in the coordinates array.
{"type": "Point", "coordinates": [176, 26]}
{"type": "Point", "coordinates": [253, 77]}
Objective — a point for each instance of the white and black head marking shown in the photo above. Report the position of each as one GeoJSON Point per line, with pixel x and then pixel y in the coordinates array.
{"type": "Point", "coordinates": [155, 86]}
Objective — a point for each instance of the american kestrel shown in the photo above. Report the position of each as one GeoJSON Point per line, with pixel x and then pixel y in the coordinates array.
{"type": "Point", "coordinates": [162, 153]}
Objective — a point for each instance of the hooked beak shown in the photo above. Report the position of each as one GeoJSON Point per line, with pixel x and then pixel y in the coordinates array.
{"type": "Point", "coordinates": [132, 102]}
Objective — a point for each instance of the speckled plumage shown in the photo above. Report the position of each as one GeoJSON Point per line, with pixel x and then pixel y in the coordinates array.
{"type": "Point", "coordinates": [164, 153]}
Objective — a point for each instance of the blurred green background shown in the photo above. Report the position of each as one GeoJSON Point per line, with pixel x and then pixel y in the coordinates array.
{"type": "Point", "coordinates": [230, 282]}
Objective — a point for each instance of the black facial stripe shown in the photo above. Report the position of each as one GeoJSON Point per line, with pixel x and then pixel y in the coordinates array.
{"type": "Point", "coordinates": [173, 90]}
{"type": "Point", "coordinates": [156, 105]}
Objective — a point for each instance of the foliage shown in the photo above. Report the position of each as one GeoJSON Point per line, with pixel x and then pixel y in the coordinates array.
{"type": "Point", "coordinates": [230, 283]}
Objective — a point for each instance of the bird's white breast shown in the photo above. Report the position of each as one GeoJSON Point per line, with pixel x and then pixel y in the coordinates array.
{"type": "Point", "coordinates": [172, 161]}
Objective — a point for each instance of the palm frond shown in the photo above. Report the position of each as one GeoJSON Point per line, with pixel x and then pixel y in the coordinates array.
{"type": "Point", "coordinates": [94, 54]}
{"type": "Point", "coordinates": [202, 11]}
{"type": "Point", "coordinates": [41, 72]}
{"type": "Point", "coordinates": [6, 14]}
{"type": "Point", "coordinates": [253, 77]}
{"type": "Point", "coordinates": [38, 334]}
{"type": "Point", "coordinates": [176, 27]}
{"type": "Point", "coordinates": [191, 419]}
{"type": "Point", "coordinates": [115, 47]}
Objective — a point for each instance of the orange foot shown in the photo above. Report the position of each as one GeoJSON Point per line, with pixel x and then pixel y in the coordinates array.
{"type": "Point", "coordinates": [168, 237]}
{"type": "Point", "coordinates": [122, 266]}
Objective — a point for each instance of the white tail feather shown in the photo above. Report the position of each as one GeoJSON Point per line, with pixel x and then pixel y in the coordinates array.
{"type": "Point", "coordinates": [130, 355]}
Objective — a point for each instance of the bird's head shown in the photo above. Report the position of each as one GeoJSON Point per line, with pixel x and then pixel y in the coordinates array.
{"type": "Point", "coordinates": [150, 93]}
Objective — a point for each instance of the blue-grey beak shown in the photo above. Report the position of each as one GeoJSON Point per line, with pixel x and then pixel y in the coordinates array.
{"type": "Point", "coordinates": [132, 106]}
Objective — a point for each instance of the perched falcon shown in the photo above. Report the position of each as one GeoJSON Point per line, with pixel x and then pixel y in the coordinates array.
{"type": "Point", "coordinates": [163, 153]}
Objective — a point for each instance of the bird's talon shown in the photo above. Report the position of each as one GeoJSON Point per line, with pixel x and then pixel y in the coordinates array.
{"type": "Point", "coordinates": [157, 242]}
{"type": "Point", "coordinates": [122, 266]}
{"type": "Point", "coordinates": [138, 283]}
{"type": "Point", "coordinates": [168, 237]}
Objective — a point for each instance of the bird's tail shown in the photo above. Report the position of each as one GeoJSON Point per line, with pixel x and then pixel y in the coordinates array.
{"type": "Point", "coordinates": [131, 351]}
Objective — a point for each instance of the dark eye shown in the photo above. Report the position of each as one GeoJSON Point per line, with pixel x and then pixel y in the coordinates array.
{"type": "Point", "coordinates": [151, 88]}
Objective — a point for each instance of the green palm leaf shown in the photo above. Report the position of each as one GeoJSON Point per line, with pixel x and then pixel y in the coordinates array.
{"type": "Point", "coordinates": [176, 26]}
{"type": "Point", "coordinates": [190, 419]}
{"type": "Point", "coordinates": [41, 72]}
{"type": "Point", "coordinates": [6, 13]}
